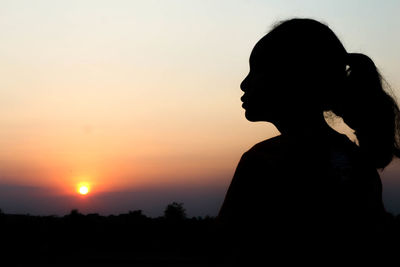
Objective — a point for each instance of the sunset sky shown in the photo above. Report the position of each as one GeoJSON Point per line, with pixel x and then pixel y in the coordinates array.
{"type": "Point", "coordinates": [141, 100]}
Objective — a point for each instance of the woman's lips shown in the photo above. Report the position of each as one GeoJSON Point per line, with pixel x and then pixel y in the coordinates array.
{"type": "Point", "coordinates": [244, 101]}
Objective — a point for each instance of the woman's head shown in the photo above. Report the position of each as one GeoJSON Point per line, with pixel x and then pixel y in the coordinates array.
{"type": "Point", "coordinates": [290, 68]}
{"type": "Point", "coordinates": [301, 69]}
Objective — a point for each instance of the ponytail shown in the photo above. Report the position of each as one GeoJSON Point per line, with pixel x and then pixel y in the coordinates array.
{"type": "Point", "coordinates": [368, 109]}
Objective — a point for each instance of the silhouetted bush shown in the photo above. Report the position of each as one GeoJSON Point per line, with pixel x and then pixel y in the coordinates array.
{"type": "Point", "coordinates": [175, 212]}
{"type": "Point", "coordinates": [75, 213]}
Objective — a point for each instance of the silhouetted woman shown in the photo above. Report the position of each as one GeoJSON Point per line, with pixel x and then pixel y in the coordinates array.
{"type": "Point", "coordinates": [311, 188]}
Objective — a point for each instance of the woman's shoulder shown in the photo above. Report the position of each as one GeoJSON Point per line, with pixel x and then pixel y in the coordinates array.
{"type": "Point", "coordinates": [268, 153]}
{"type": "Point", "coordinates": [270, 145]}
{"type": "Point", "coordinates": [337, 150]}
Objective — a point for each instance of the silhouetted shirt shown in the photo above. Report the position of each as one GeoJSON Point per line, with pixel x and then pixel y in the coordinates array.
{"type": "Point", "coordinates": [296, 187]}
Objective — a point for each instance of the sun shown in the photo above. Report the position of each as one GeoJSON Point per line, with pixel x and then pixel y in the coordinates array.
{"type": "Point", "coordinates": [83, 188]}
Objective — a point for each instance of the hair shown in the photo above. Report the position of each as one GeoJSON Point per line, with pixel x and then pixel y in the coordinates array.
{"type": "Point", "coordinates": [352, 86]}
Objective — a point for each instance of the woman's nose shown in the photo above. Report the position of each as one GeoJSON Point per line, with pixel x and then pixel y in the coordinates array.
{"type": "Point", "coordinates": [244, 83]}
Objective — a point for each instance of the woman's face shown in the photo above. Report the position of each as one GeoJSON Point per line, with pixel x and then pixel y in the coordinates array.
{"type": "Point", "coordinates": [265, 87]}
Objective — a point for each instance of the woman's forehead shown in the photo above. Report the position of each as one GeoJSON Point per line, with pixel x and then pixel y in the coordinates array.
{"type": "Point", "coordinates": [264, 49]}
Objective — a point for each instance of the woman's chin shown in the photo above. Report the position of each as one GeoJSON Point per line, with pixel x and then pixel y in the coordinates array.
{"type": "Point", "coordinates": [251, 116]}
{"type": "Point", "coordinates": [254, 116]}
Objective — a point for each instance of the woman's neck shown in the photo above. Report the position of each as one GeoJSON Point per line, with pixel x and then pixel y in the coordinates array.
{"type": "Point", "coordinates": [304, 126]}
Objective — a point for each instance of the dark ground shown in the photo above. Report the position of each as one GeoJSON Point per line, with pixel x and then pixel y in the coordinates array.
{"type": "Point", "coordinates": [127, 239]}
{"type": "Point", "coordinates": [131, 239]}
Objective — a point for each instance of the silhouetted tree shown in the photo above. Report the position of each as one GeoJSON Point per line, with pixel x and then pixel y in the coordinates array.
{"type": "Point", "coordinates": [175, 212]}
{"type": "Point", "coordinates": [74, 213]}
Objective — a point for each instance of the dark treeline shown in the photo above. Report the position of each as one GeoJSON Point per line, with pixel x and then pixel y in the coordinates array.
{"type": "Point", "coordinates": [130, 238]}
{"type": "Point", "coordinates": [126, 238]}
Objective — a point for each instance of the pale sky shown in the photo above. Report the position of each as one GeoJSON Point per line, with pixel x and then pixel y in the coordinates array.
{"type": "Point", "coordinates": [143, 96]}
